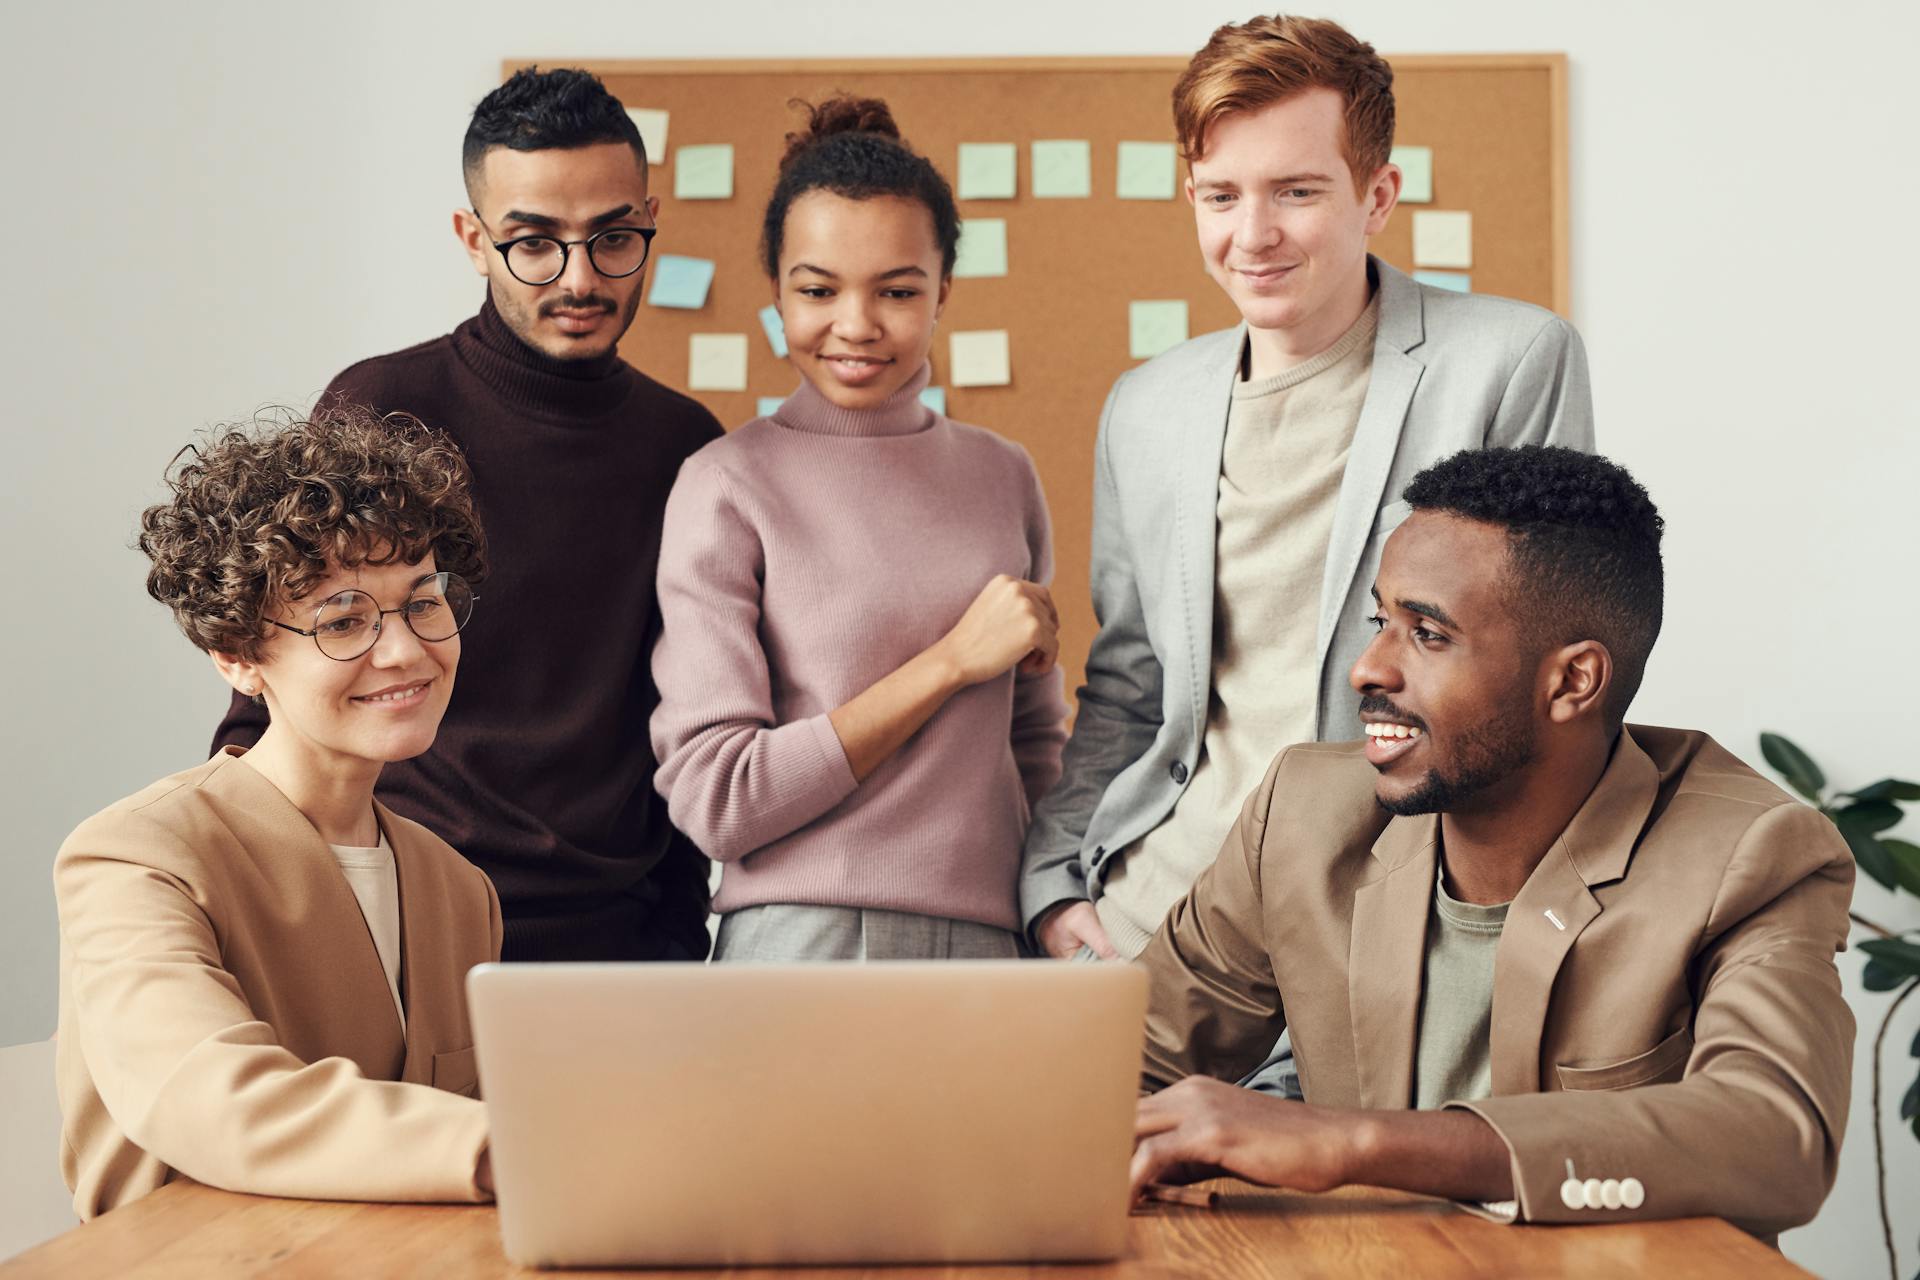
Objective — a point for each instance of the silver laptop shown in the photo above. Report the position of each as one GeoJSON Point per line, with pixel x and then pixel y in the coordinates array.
{"type": "Point", "coordinates": [682, 1115]}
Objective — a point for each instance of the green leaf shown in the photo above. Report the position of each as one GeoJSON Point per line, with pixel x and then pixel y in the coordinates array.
{"type": "Point", "coordinates": [1906, 864]}
{"type": "Point", "coordinates": [1793, 764]}
{"type": "Point", "coordinates": [1868, 852]}
{"type": "Point", "coordinates": [1887, 789]}
{"type": "Point", "coordinates": [1871, 816]}
{"type": "Point", "coordinates": [1910, 1105]}
{"type": "Point", "coordinates": [1878, 977]}
{"type": "Point", "coordinates": [1895, 954]}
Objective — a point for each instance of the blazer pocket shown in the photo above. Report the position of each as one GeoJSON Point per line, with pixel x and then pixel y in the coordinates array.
{"type": "Point", "coordinates": [457, 1071]}
{"type": "Point", "coordinates": [1662, 1064]}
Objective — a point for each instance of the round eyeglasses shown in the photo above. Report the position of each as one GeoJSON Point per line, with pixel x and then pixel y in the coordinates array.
{"type": "Point", "coordinates": [615, 253]}
{"type": "Point", "coordinates": [347, 624]}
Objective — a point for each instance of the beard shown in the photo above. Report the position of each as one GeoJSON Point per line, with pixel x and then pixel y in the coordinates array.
{"type": "Point", "coordinates": [1483, 755]}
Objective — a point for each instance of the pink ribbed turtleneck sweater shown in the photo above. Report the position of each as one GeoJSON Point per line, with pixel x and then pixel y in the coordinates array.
{"type": "Point", "coordinates": [805, 556]}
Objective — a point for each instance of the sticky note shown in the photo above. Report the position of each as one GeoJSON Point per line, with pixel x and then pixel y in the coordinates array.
{"type": "Point", "coordinates": [717, 362]}
{"type": "Point", "coordinates": [1416, 174]}
{"type": "Point", "coordinates": [1153, 327]}
{"type": "Point", "coordinates": [1442, 238]}
{"type": "Point", "coordinates": [935, 398]}
{"type": "Point", "coordinates": [1146, 171]}
{"type": "Point", "coordinates": [775, 329]}
{"type": "Point", "coordinates": [988, 170]}
{"type": "Point", "coordinates": [1446, 280]}
{"type": "Point", "coordinates": [1062, 169]}
{"type": "Point", "coordinates": [980, 358]}
{"type": "Point", "coordinates": [653, 132]}
{"type": "Point", "coordinates": [767, 406]}
{"type": "Point", "coordinates": [983, 247]}
{"type": "Point", "coordinates": [703, 173]}
{"type": "Point", "coordinates": [680, 282]}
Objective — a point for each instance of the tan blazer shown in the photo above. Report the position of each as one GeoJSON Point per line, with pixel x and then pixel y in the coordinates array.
{"type": "Point", "coordinates": [224, 1014]}
{"type": "Point", "coordinates": [1682, 1024]}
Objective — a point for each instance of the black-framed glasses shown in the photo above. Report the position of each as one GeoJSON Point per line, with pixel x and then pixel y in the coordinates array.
{"type": "Point", "coordinates": [347, 624]}
{"type": "Point", "coordinates": [616, 252]}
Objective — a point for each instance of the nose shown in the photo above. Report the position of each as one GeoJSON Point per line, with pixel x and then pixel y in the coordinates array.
{"type": "Point", "coordinates": [396, 645]}
{"type": "Point", "coordinates": [854, 318]}
{"type": "Point", "coordinates": [580, 277]}
{"type": "Point", "coordinates": [1257, 228]}
{"type": "Point", "coordinates": [1374, 671]}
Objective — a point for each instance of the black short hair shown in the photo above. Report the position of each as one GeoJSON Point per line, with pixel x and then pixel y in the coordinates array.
{"type": "Point", "coordinates": [852, 148]}
{"type": "Point", "coordinates": [1583, 541]}
{"type": "Point", "coordinates": [539, 110]}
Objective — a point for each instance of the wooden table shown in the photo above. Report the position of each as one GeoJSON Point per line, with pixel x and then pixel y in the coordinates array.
{"type": "Point", "coordinates": [189, 1231]}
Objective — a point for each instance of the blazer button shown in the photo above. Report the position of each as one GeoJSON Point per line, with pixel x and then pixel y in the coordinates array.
{"type": "Point", "coordinates": [1590, 1193]}
{"type": "Point", "coordinates": [1571, 1195]}
{"type": "Point", "coordinates": [1632, 1194]}
{"type": "Point", "coordinates": [1610, 1193]}
{"type": "Point", "coordinates": [1178, 772]}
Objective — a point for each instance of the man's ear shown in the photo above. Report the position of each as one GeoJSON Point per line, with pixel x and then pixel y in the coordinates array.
{"type": "Point", "coordinates": [1382, 196]}
{"type": "Point", "coordinates": [473, 238]}
{"type": "Point", "coordinates": [1579, 678]}
{"type": "Point", "coordinates": [244, 676]}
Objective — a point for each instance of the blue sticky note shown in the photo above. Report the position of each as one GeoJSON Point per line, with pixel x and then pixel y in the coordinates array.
{"type": "Point", "coordinates": [767, 406]}
{"type": "Point", "coordinates": [776, 331]}
{"type": "Point", "coordinates": [1063, 169]}
{"type": "Point", "coordinates": [703, 173]}
{"type": "Point", "coordinates": [1416, 174]}
{"type": "Point", "coordinates": [1146, 171]}
{"type": "Point", "coordinates": [680, 282]}
{"type": "Point", "coordinates": [983, 248]}
{"type": "Point", "coordinates": [988, 170]}
{"type": "Point", "coordinates": [1454, 280]}
{"type": "Point", "coordinates": [935, 398]}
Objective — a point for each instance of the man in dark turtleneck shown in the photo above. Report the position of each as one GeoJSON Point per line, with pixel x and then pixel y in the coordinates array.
{"type": "Point", "coordinates": [542, 774]}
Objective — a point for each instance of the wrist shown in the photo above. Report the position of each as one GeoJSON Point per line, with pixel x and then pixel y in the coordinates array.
{"type": "Point", "coordinates": [943, 668]}
{"type": "Point", "coordinates": [1368, 1148]}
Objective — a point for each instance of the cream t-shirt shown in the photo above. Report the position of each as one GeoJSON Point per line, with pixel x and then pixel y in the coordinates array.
{"type": "Point", "coordinates": [376, 884]}
{"type": "Point", "coordinates": [1285, 454]}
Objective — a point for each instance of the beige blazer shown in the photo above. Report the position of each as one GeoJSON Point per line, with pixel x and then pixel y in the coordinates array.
{"type": "Point", "coordinates": [224, 1014]}
{"type": "Point", "coordinates": [1666, 1006]}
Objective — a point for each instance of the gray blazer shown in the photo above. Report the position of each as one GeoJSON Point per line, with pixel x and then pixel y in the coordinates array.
{"type": "Point", "coordinates": [1451, 371]}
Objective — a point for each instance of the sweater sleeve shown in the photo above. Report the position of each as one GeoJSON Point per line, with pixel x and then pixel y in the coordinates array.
{"type": "Point", "coordinates": [1039, 706]}
{"type": "Point", "coordinates": [734, 781]}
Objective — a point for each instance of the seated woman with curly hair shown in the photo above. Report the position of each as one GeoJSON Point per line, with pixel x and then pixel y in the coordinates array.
{"type": "Point", "coordinates": [261, 967]}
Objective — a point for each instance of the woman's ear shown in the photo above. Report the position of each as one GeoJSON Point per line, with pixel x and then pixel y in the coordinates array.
{"type": "Point", "coordinates": [244, 676]}
{"type": "Point", "coordinates": [940, 301]}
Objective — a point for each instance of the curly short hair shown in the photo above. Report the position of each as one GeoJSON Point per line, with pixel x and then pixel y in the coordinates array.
{"type": "Point", "coordinates": [1583, 548]}
{"type": "Point", "coordinates": [262, 512]}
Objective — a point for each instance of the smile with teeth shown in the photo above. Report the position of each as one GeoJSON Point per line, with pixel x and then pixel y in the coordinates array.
{"type": "Point", "coordinates": [396, 697]}
{"type": "Point", "coordinates": [1392, 731]}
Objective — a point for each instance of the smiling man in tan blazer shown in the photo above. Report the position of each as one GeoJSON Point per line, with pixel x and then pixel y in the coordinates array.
{"type": "Point", "coordinates": [1528, 955]}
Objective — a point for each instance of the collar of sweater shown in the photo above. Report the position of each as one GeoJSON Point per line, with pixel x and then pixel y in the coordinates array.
{"type": "Point", "coordinates": [900, 414]}
{"type": "Point", "coordinates": [534, 382]}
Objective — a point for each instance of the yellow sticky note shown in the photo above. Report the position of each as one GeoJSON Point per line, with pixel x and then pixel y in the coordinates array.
{"type": "Point", "coordinates": [653, 132]}
{"type": "Point", "coordinates": [703, 173]}
{"type": "Point", "coordinates": [980, 358]}
{"type": "Point", "coordinates": [1063, 169]}
{"type": "Point", "coordinates": [1153, 327]}
{"type": "Point", "coordinates": [1442, 238]}
{"type": "Point", "coordinates": [717, 362]}
{"type": "Point", "coordinates": [983, 247]}
{"type": "Point", "coordinates": [1146, 171]}
{"type": "Point", "coordinates": [1416, 174]}
{"type": "Point", "coordinates": [988, 170]}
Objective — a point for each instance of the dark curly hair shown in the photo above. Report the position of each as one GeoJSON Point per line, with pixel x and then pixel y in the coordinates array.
{"type": "Point", "coordinates": [261, 513]}
{"type": "Point", "coordinates": [851, 147]}
{"type": "Point", "coordinates": [1583, 548]}
{"type": "Point", "coordinates": [539, 110]}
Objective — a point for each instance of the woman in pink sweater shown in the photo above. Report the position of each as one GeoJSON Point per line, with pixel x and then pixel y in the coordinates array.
{"type": "Point", "coordinates": [858, 697]}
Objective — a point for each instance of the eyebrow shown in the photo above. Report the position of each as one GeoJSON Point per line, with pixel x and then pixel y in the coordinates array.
{"type": "Point", "coordinates": [1288, 180]}
{"type": "Point", "coordinates": [544, 220]}
{"type": "Point", "coordinates": [894, 274]}
{"type": "Point", "coordinates": [1426, 610]}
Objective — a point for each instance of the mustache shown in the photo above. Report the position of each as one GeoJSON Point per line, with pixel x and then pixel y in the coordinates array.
{"type": "Point", "coordinates": [1380, 706]}
{"type": "Point", "coordinates": [569, 302]}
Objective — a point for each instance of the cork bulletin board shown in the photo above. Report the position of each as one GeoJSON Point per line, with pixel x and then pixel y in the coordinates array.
{"type": "Point", "coordinates": [1496, 125]}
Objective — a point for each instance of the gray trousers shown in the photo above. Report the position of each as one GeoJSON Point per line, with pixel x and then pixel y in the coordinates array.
{"type": "Point", "coordinates": [783, 932]}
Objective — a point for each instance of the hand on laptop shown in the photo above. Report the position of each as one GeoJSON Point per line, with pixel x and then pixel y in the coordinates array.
{"type": "Point", "coordinates": [1205, 1128]}
{"type": "Point", "coordinates": [1066, 927]}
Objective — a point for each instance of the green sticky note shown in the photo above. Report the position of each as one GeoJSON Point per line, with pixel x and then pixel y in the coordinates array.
{"type": "Point", "coordinates": [681, 283]}
{"type": "Point", "coordinates": [775, 329]}
{"type": "Point", "coordinates": [983, 247]}
{"type": "Point", "coordinates": [935, 398]}
{"type": "Point", "coordinates": [1146, 171]}
{"type": "Point", "coordinates": [1453, 280]}
{"type": "Point", "coordinates": [652, 125]}
{"type": "Point", "coordinates": [988, 170]}
{"type": "Point", "coordinates": [703, 173]}
{"type": "Point", "coordinates": [1063, 169]}
{"type": "Point", "coordinates": [1416, 174]}
{"type": "Point", "coordinates": [1153, 327]}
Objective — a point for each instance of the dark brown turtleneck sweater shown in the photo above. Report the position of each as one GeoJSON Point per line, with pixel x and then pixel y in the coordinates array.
{"type": "Point", "coordinates": [542, 774]}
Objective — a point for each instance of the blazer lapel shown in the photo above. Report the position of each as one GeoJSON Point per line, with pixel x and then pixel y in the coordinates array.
{"type": "Point", "coordinates": [1376, 439]}
{"type": "Point", "coordinates": [1197, 455]}
{"type": "Point", "coordinates": [1386, 953]}
{"type": "Point", "coordinates": [1556, 904]}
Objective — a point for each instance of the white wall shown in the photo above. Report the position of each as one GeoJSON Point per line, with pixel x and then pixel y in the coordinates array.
{"type": "Point", "coordinates": [217, 206]}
